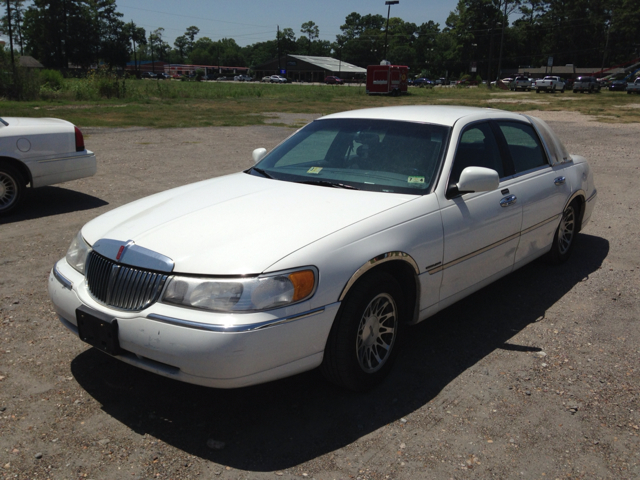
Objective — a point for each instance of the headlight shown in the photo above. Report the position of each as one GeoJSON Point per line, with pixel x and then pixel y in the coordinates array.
{"type": "Point", "coordinates": [78, 252]}
{"type": "Point", "coordinates": [242, 294]}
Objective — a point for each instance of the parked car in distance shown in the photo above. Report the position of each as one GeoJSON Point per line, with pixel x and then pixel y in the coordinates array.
{"type": "Point", "coordinates": [550, 84]}
{"type": "Point", "coordinates": [617, 86]}
{"type": "Point", "coordinates": [333, 80]}
{"type": "Point", "coordinates": [586, 84]}
{"type": "Point", "coordinates": [148, 75]}
{"type": "Point", "coordinates": [278, 79]}
{"type": "Point", "coordinates": [422, 82]}
{"type": "Point", "coordinates": [414, 208]}
{"type": "Point", "coordinates": [634, 87]}
{"type": "Point", "coordinates": [163, 76]}
{"type": "Point", "coordinates": [520, 83]}
{"type": "Point", "coordinates": [266, 79]}
{"type": "Point", "coordinates": [37, 152]}
{"type": "Point", "coordinates": [177, 76]}
{"type": "Point", "coordinates": [243, 78]}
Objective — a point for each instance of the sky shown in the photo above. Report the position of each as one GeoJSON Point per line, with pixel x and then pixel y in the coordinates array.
{"type": "Point", "coordinates": [251, 21]}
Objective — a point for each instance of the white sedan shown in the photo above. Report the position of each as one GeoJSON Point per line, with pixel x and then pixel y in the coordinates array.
{"type": "Point", "coordinates": [39, 152]}
{"type": "Point", "coordinates": [322, 254]}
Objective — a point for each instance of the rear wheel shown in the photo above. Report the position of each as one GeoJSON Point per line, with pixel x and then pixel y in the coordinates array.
{"type": "Point", "coordinates": [565, 236]}
{"type": "Point", "coordinates": [11, 188]}
{"type": "Point", "coordinates": [364, 339]}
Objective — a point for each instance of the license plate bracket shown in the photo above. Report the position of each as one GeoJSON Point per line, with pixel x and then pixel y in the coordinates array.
{"type": "Point", "coordinates": [98, 330]}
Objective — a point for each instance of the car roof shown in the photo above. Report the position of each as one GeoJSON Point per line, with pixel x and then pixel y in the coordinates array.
{"type": "Point", "coordinates": [437, 114]}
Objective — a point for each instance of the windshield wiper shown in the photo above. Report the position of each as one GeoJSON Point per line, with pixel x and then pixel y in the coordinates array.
{"type": "Point", "coordinates": [261, 172]}
{"type": "Point", "coordinates": [326, 183]}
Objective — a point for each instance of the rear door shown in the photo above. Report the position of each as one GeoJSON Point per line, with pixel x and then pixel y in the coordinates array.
{"type": "Point", "coordinates": [542, 190]}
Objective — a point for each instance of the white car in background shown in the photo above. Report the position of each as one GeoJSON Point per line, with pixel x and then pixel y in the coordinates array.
{"type": "Point", "coordinates": [278, 79]}
{"type": "Point", "coordinates": [326, 251]}
{"type": "Point", "coordinates": [39, 152]}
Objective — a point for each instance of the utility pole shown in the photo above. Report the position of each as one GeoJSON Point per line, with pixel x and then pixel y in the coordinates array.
{"type": "Point", "coordinates": [13, 63]}
{"type": "Point", "coordinates": [504, 22]}
{"type": "Point", "coordinates": [278, 41]}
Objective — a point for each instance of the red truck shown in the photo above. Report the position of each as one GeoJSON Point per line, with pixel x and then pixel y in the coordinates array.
{"type": "Point", "coordinates": [387, 79]}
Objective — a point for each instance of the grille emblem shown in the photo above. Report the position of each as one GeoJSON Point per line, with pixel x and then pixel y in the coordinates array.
{"type": "Point", "coordinates": [123, 248]}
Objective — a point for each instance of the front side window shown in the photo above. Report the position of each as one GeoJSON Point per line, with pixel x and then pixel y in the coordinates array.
{"type": "Point", "coordinates": [375, 155]}
{"type": "Point", "coordinates": [525, 147]}
{"type": "Point", "coordinates": [477, 148]}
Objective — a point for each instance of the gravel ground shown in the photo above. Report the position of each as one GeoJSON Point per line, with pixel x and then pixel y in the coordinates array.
{"type": "Point", "coordinates": [534, 377]}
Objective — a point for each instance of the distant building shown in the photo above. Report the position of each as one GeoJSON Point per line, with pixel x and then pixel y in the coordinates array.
{"type": "Point", "coordinates": [29, 62]}
{"type": "Point", "coordinates": [305, 68]}
{"type": "Point", "coordinates": [181, 69]}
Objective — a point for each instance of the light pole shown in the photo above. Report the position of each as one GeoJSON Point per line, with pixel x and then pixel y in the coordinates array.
{"type": "Point", "coordinates": [386, 30]}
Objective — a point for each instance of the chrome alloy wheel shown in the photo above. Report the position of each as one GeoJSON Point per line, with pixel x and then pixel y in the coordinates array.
{"type": "Point", "coordinates": [8, 190]}
{"type": "Point", "coordinates": [567, 230]}
{"type": "Point", "coordinates": [377, 333]}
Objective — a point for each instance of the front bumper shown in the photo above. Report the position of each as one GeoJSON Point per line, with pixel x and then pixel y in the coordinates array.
{"type": "Point", "coordinates": [205, 348]}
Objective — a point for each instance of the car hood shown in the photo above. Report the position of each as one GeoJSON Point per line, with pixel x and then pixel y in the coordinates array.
{"type": "Point", "coordinates": [237, 224]}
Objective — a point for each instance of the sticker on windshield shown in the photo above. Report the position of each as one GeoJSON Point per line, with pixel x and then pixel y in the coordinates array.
{"type": "Point", "coordinates": [415, 180]}
{"type": "Point", "coordinates": [315, 170]}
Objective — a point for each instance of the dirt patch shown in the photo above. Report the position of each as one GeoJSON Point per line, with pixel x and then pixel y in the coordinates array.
{"type": "Point", "coordinates": [535, 376]}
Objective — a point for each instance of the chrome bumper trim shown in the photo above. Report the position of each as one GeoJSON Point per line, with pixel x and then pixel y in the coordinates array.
{"type": "Point", "coordinates": [232, 328]}
{"type": "Point", "coordinates": [66, 283]}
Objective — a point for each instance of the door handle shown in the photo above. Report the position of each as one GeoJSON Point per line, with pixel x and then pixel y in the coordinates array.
{"type": "Point", "coordinates": [508, 200]}
{"type": "Point", "coordinates": [559, 180]}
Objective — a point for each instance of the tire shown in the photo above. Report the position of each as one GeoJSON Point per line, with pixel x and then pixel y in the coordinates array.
{"type": "Point", "coordinates": [364, 340]}
{"type": "Point", "coordinates": [12, 188]}
{"type": "Point", "coordinates": [565, 237]}
{"type": "Point", "coordinates": [562, 91]}
{"type": "Point", "coordinates": [537, 91]}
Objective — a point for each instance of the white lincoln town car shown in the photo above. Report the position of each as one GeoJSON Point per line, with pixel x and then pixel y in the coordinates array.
{"type": "Point", "coordinates": [39, 152]}
{"type": "Point", "coordinates": [327, 250]}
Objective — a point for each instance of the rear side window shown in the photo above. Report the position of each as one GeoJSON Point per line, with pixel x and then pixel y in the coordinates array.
{"type": "Point", "coordinates": [524, 145]}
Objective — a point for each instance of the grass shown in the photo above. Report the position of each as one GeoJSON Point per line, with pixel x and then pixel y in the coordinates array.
{"type": "Point", "coordinates": [166, 104]}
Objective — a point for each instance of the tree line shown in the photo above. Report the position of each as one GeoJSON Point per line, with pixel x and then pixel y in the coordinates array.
{"type": "Point", "coordinates": [489, 35]}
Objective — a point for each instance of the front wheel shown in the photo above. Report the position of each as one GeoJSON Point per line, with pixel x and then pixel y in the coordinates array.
{"type": "Point", "coordinates": [565, 237]}
{"type": "Point", "coordinates": [11, 188]}
{"type": "Point", "coordinates": [364, 339]}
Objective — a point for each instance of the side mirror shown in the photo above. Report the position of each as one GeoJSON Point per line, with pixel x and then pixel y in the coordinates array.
{"type": "Point", "coordinates": [258, 154]}
{"type": "Point", "coordinates": [478, 179]}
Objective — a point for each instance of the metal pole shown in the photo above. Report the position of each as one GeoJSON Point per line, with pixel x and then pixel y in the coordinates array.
{"type": "Point", "coordinates": [386, 30]}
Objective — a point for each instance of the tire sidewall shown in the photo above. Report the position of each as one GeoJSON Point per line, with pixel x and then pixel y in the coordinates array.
{"type": "Point", "coordinates": [556, 256]}
{"type": "Point", "coordinates": [6, 170]}
{"type": "Point", "coordinates": [346, 326]}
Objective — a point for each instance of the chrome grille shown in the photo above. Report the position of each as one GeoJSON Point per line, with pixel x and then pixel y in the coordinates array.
{"type": "Point", "coordinates": [122, 286]}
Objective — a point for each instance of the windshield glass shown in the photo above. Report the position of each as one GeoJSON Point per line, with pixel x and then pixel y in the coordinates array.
{"type": "Point", "coordinates": [375, 155]}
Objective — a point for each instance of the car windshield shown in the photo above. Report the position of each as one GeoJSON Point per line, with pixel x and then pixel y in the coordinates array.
{"type": "Point", "coordinates": [375, 155]}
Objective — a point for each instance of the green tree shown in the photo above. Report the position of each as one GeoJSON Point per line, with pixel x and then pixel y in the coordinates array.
{"type": "Point", "coordinates": [137, 36]}
{"type": "Point", "coordinates": [17, 18]}
{"type": "Point", "coordinates": [59, 32]}
{"type": "Point", "coordinates": [114, 47]}
{"type": "Point", "coordinates": [312, 31]}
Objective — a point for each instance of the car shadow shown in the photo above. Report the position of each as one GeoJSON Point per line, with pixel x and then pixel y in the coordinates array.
{"type": "Point", "coordinates": [285, 423]}
{"type": "Point", "coordinates": [47, 201]}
